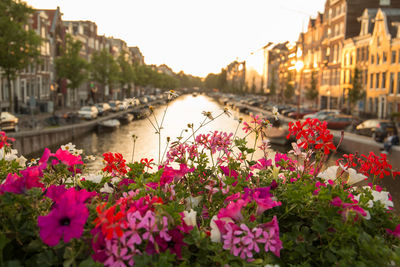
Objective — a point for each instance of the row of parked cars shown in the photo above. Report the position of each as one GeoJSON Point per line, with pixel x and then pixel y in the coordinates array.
{"type": "Point", "coordinates": [100, 109]}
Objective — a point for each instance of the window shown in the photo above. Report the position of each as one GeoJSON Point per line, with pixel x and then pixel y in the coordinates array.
{"type": "Point", "coordinates": [351, 59]}
{"type": "Point", "coordinates": [377, 80]}
{"type": "Point", "coordinates": [365, 77]}
{"type": "Point", "coordinates": [371, 78]}
{"type": "Point", "coordinates": [383, 80]}
{"type": "Point", "coordinates": [398, 83]}
{"type": "Point", "coordinates": [391, 86]}
{"type": "Point", "coordinates": [393, 57]}
{"type": "Point", "coordinates": [358, 55]}
{"type": "Point", "coordinates": [384, 57]}
{"type": "Point", "coordinates": [377, 59]}
{"type": "Point", "coordinates": [372, 59]}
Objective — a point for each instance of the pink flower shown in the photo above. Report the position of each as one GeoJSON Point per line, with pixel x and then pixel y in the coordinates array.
{"type": "Point", "coordinates": [65, 157]}
{"type": "Point", "coordinates": [19, 185]}
{"type": "Point", "coordinates": [337, 202]}
{"type": "Point", "coordinates": [262, 164]}
{"type": "Point", "coordinates": [396, 231]}
{"type": "Point", "coordinates": [233, 210]}
{"type": "Point", "coordinates": [228, 172]}
{"type": "Point", "coordinates": [271, 235]}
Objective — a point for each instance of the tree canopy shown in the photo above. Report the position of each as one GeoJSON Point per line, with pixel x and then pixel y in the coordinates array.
{"type": "Point", "coordinates": [19, 46]}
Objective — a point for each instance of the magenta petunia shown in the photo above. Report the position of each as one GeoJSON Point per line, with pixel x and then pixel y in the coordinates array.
{"type": "Point", "coordinates": [18, 185]}
{"type": "Point", "coordinates": [65, 157]}
{"type": "Point", "coordinates": [228, 172]}
{"type": "Point", "coordinates": [396, 231]}
{"type": "Point", "coordinates": [66, 220]}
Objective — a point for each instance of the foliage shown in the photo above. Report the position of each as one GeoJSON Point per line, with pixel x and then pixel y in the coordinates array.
{"type": "Point", "coordinates": [18, 47]}
{"type": "Point", "coordinates": [356, 91]}
{"type": "Point", "coordinates": [217, 81]}
{"type": "Point", "coordinates": [70, 65]}
{"type": "Point", "coordinates": [104, 69]}
{"type": "Point", "coordinates": [312, 91]}
{"type": "Point", "coordinates": [288, 92]}
{"type": "Point", "coordinates": [127, 74]}
{"type": "Point", "coordinates": [208, 203]}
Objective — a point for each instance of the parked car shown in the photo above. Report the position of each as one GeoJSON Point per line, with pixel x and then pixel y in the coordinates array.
{"type": "Point", "coordinates": [103, 108]}
{"type": "Point", "coordinates": [301, 113]}
{"type": "Point", "coordinates": [88, 112]}
{"type": "Point", "coordinates": [322, 114]}
{"type": "Point", "coordinates": [115, 105]}
{"type": "Point", "coordinates": [8, 122]}
{"type": "Point", "coordinates": [286, 111]}
{"type": "Point", "coordinates": [339, 122]}
{"type": "Point", "coordinates": [378, 129]}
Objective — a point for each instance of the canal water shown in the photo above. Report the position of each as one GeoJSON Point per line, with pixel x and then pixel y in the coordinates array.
{"type": "Point", "coordinates": [180, 112]}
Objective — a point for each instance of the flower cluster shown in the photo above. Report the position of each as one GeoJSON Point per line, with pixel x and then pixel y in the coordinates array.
{"type": "Point", "coordinates": [131, 227]}
{"type": "Point", "coordinates": [209, 203]}
{"type": "Point", "coordinates": [67, 217]}
{"type": "Point", "coordinates": [115, 164]}
{"type": "Point", "coordinates": [312, 132]}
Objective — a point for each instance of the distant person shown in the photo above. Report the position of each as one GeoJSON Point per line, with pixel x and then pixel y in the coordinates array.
{"type": "Point", "coordinates": [391, 140]}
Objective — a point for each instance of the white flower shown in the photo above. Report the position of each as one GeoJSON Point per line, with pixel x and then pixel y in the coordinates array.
{"type": "Point", "coordinates": [77, 152]}
{"type": "Point", "coordinates": [95, 178]}
{"type": "Point", "coordinates": [354, 176]}
{"type": "Point", "coordinates": [329, 174]}
{"type": "Point", "coordinates": [90, 157]}
{"type": "Point", "coordinates": [383, 197]}
{"type": "Point", "coordinates": [190, 217]}
{"type": "Point", "coordinates": [215, 233]}
{"type": "Point", "coordinates": [107, 189]}
{"type": "Point", "coordinates": [21, 161]}
{"type": "Point", "coordinates": [275, 112]}
{"type": "Point", "coordinates": [33, 162]}
{"type": "Point", "coordinates": [192, 202]}
{"type": "Point", "coordinates": [270, 265]}
{"type": "Point", "coordinates": [70, 147]}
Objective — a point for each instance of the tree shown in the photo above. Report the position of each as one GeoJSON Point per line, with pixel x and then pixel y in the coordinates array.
{"type": "Point", "coordinates": [18, 47]}
{"type": "Point", "coordinates": [272, 84]}
{"type": "Point", "coordinates": [312, 91]}
{"type": "Point", "coordinates": [289, 91]}
{"type": "Point", "coordinates": [104, 69]}
{"type": "Point", "coordinates": [126, 74]}
{"type": "Point", "coordinates": [355, 92]}
{"type": "Point", "coordinates": [71, 66]}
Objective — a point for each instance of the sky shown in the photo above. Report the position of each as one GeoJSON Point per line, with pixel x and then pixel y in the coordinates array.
{"type": "Point", "coordinates": [196, 36]}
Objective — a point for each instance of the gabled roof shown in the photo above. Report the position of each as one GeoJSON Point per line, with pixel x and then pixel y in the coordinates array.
{"type": "Point", "coordinates": [392, 15]}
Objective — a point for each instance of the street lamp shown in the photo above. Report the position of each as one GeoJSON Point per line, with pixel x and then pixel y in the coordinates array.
{"type": "Point", "coordinates": [299, 67]}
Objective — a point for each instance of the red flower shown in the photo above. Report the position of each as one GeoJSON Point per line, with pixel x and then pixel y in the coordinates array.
{"type": "Point", "coordinates": [115, 163]}
{"type": "Point", "coordinates": [147, 163]}
{"type": "Point", "coordinates": [109, 221]}
{"type": "Point", "coordinates": [312, 133]}
{"type": "Point", "coordinates": [4, 139]}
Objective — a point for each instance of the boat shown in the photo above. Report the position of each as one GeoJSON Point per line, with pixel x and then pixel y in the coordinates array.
{"type": "Point", "coordinates": [126, 118]}
{"type": "Point", "coordinates": [277, 135]}
{"type": "Point", "coordinates": [109, 124]}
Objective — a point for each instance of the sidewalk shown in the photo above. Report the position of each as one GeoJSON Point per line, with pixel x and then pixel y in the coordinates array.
{"type": "Point", "coordinates": [42, 120]}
